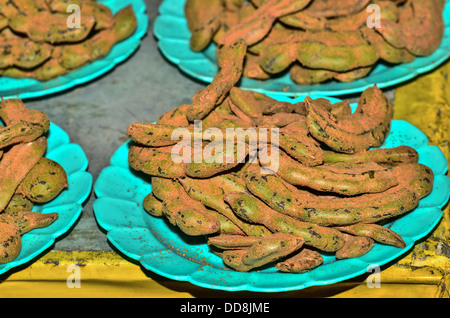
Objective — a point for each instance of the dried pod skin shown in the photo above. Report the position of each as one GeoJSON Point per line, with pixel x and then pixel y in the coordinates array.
{"type": "Point", "coordinates": [376, 232]}
{"type": "Point", "coordinates": [45, 181]}
{"type": "Point", "coordinates": [302, 262]}
{"type": "Point", "coordinates": [253, 210]}
{"type": "Point", "coordinates": [355, 246]}
{"type": "Point", "coordinates": [15, 165]}
{"type": "Point", "coordinates": [19, 203]}
{"type": "Point", "coordinates": [152, 205]}
{"type": "Point", "coordinates": [26, 221]}
{"type": "Point", "coordinates": [19, 133]}
{"type": "Point", "coordinates": [10, 242]}
{"type": "Point", "coordinates": [14, 111]}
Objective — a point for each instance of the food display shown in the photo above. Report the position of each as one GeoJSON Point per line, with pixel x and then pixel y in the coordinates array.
{"type": "Point", "coordinates": [27, 178]}
{"type": "Point", "coordinates": [316, 41]}
{"type": "Point", "coordinates": [316, 182]}
{"type": "Point", "coordinates": [49, 38]}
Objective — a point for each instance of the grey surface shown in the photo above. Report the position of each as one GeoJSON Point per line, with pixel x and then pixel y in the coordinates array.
{"type": "Point", "coordinates": [96, 116]}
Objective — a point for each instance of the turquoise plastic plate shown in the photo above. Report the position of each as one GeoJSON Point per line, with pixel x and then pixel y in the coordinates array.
{"type": "Point", "coordinates": [68, 204]}
{"type": "Point", "coordinates": [31, 88]}
{"type": "Point", "coordinates": [172, 32]}
{"type": "Point", "coordinates": [162, 249]}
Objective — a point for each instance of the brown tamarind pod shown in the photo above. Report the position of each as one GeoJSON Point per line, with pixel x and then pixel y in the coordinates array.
{"type": "Point", "coordinates": [60, 5]}
{"type": "Point", "coordinates": [155, 162]}
{"type": "Point", "coordinates": [416, 177]}
{"type": "Point", "coordinates": [253, 210]}
{"type": "Point", "coordinates": [243, 100]}
{"type": "Point", "coordinates": [153, 135]}
{"type": "Point", "coordinates": [19, 133]}
{"type": "Point", "coordinates": [202, 20]}
{"type": "Point", "coordinates": [23, 53]}
{"type": "Point", "coordinates": [227, 241]}
{"type": "Point", "coordinates": [226, 226]}
{"type": "Point", "coordinates": [367, 127]}
{"type": "Point", "coordinates": [328, 9]}
{"type": "Point", "coordinates": [10, 242]}
{"type": "Point", "coordinates": [420, 28]}
{"type": "Point", "coordinates": [27, 221]}
{"type": "Point", "coordinates": [280, 120]}
{"type": "Point", "coordinates": [102, 14]}
{"type": "Point", "coordinates": [354, 246]}
{"type": "Point", "coordinates": [304, 261]}
{"type": "Point", "coordinates": [240, 113]}
{"type": "Point", "coordinates": [175, 117]}
{"type": "Point", "coordinates": [353, 74]}
{"type": "Point", "coordinates": [14, 111]}
{"type": "Point", "coordinates": [15, 165]}
{"type": "Point", "coordinates": [385, 156]}
{"type": "Point", "coordinates": [44, 181]}
{"type": "Point", "coordinates": [376, 232]}
{"type": "Point", "coordinates": [277, 58]}
{"type": "Point", "coordinates": [231, 60]}
{"type": "Point", "coordinates": [233, 259]}
{"type": "Point", "coordinates": [211, 193]}
{"type": "Point", "coordinates": [165, 188]}
{"type": "Point", "coordinates": [152, 205]}
{"type": "Point", "coordinates": [252, 67]}
{"type": "Point", "coordinates": [18, 203]}
{"type": "Point", "coordinates": [306, 76]}
{"type": "Point", "coordinates": [325, 180]}
{"type": "Point", "coordinates": [304, 20]}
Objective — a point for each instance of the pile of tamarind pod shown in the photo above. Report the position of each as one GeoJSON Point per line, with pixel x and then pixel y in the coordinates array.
{"type": "Point", "coordinates": [40, 39]}
{"type": "Point", "coordinates": [332, 190]}
{"type": "Point", "coordinates": [27, 177]}
{"type": "Point", "coordinates": [318, 40]}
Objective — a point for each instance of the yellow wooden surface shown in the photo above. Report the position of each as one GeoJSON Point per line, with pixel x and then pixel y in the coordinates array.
{"type": "Point", "coordinates": [424, 272]}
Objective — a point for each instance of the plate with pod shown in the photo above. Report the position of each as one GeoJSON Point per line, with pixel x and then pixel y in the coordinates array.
{"type": "Point", "coordinates": [170, 28]}
{"type": "Point", "coordinates": [160, 248]}
{"type": "Point", "coordinates": [68, 204]}
{"type": "Point", "coordinates": [25, 88]}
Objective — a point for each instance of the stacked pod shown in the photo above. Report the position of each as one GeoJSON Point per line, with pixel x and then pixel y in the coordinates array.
{"type": "Point", "coordinates": [318, 40]}
{"type": "Point", "coordinates": [331, 190]}
{"type": "Point", "coordinates": [45, 39]}
{"type": "Point", "coordinates": [26, 176]}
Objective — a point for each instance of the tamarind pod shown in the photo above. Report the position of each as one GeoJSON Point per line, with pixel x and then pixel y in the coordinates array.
{"type": "Point", "coordinates": [341, 108]}
{"type": "Point", "coordinates": [44, 182]}
{"type": "Point", "coordinates": [228, 241]}
{"type": "Point", "coordinates": [304, 20]}
{"type": "Point", "coordinates": [202, 23]}
{"type": "Point", "coordinates": [280, 120]}
{"type": "Point", "coordinates": [152, 205]}
{"type": "Point", "coordinates": [353, 167]}
{"type": "Point", "coordinates": [153, 135]}
{"type": "Point", "coordinates": [227, 19]}
{"type": "Point", "coordinates": [102, 14]}
{"type": "Point", "coordinates": [328, 9]}
{"type": "Point", "coordinates": [15, 165]}
{"type": "Point", "coordinates": [335, 51]}
{"type": "Point", "coordinates": [175, 117]}
{"type": "Point", "coordinates": [271, 248]}
{"type": "Point", "coordinates": [386, 156]}
{"type": "Point", "coordinates": [231, 61]}
{"type": "Point", "coordinates": [227, 227]}
{"type": "Point", "coordinates": [3, 22]}
{"type": "Point", "coordinates": [191, 218]}
{"type": "Point", "coordinates": [233, 5]}
{"type": "Point", "coordinates": [14, 111]}
{"type": "Point", "coordinates": [240, 113]}
{"type": "Point", "coordinates": [27, 221]}
{"type": "Point", "coordinates": [19, 133]}
{"type": "Point", "coordinates": [305, 76]}
{"type": "Point", "coordinates": [10, 242]}
{"type": "Point", "coordinates": [165, 188]}
{"type": "Point", "coordinates": [253, 210]}
{"type": "Point", "coordinates": [243, 100]}
{"type": "Point", "coordinates": [155, 162]}
{"type": "Point", "coordinates": [61, 5]}
{"type": "Point", "coordinates": [302, 262]}
{"type": "Point", "coordinates": [252, 68]}
{"type": "Point", "coordinates": [233, 259]}
{"type": "Point", "coordinates": [325, 180]}
{"type": "Point", "coordinates": [354, 246]}
{"type": "Point", "coordinates": [385, 50]}
{"type": "Point", "coordinates": [376, 232]}
{"type": "Point", "coordinates": [420, 29]}
{"type": "Point", "coordinates": [18, 203]}
{"type": "Point", "coordinates": [276, 58]}
{"type": "Point", "coordinates": [23, 53]}
{"type": "Point", "coordinates": [354, 74]}
{"type": "Point", "coordinates": [416, 177]}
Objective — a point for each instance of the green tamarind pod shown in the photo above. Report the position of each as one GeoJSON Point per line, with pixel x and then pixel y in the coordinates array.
{"type": "Point", "coordinates": [27, 221]}
{"type": "Point", "coordinates": [353, 74]}
{"type": "Point", "coordinates": [153, 135]}
{"type": "Point", "coordinates": [155, 162]}
{"type": "Point", "coordinates": [304, 261]}
{"type": "Point", "coordinates": [325, 180]}
{"type": "Point", "coordinates": [227, 227]}
{"type": "Point", "coordinates": [19, 133]}
{"type": "Point", "coordinates": [386, 156]}
{"type": "Point", "coordinates": [253, 210]}
{"type": "Point", "coordinates": [226, 241]}
{"type": "Point", "coordinates": [211, 193]}
{"type": "Point", "coordinates": [244, 101]}
{"type": "Point", "coordinates": [15, 165]}
{"type": "Point", "coordinates": [10, 242]}
{"type": "Point", "coordinates": [14, 111]}
{"type": "Point", "coordinates": [276, 58]}
{"type": "Point", "coordinates": [303, 75]}
{"type": "Point", "coordinates": [328, 9]}
{"type": "Point", "coordinates": [44, 182]}
{"type": "Point", "coordinates": [354, 246]}
{"type": "Point", "coordinates": [304, 20]}
{"type": "Point", "coordinates": [280, 120]}
{"type": "Point", "coordinates": [152, 205]}
{"type": "Point", "coordinates": [233, 259]}
{"type": "Point", "coordinates": [61, 5]}
{"type": "Point", "coordinates": [102, 14]}
{"type": "Point", "coordinates": [416, 177]}
{"type": "Point", "coordinates": [18, 203]}
{"type": "Point", "coordinates": [23, 53]}
{"type": "Point", "coordinates": [175, 117]}
{"type": "Point", "coordinates": [271, 248]}
{"type": "Point", "coordinates": [341, 108]}
{"type": "Point", "coordinates": [376, 232]}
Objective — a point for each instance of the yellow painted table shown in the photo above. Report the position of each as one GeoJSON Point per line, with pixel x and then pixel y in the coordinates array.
{"type": "Point", "coordinates": [423, 273]}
